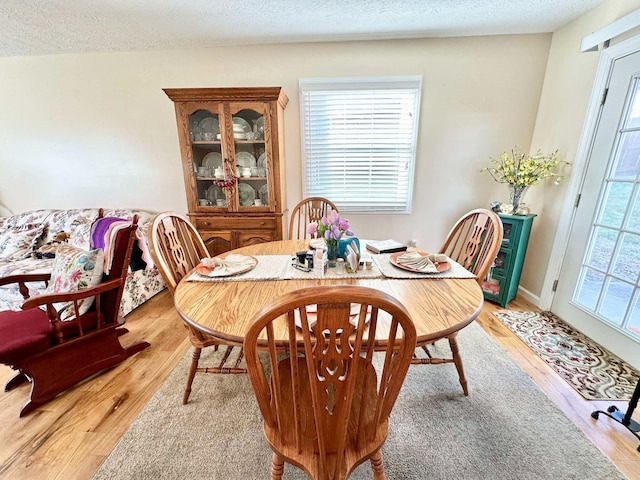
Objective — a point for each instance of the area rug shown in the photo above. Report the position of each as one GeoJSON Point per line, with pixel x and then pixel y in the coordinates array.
{"type": "Point", "coordinates": [505, 429]}
{"type": "Point", "coordinates": [593, 371]}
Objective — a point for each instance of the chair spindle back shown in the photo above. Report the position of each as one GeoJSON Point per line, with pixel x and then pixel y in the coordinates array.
{"type": "Point", "coordinates": [474, 241]}
{"type": "Point", "coordinates": [327, 399]}
{"type": "Point", "coordinates": [310, 209]}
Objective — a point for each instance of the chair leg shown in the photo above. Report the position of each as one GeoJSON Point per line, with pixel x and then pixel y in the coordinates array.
{"type": "Point", "coordinates": [277, 467]}
{"type": "Point", "coordinates": [457, 359]}
{"type": "Point", "coordinates": [377, 466]}
{"type": "Point", "coordinates": [17, 379]}
{"type": "Point", "coordinates": [195, 357]}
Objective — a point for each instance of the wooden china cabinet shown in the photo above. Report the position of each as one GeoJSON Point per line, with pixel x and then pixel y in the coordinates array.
{"type": "Point", "coordinates": [232, 146]}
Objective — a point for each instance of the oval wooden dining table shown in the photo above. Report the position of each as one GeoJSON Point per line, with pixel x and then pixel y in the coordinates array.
{"type": "Point", "coordinates": [226, 309]}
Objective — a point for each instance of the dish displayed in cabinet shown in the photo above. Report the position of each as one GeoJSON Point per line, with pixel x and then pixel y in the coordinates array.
{"type": "Point", "coordinates": [240, 122]}
{"type": "Point", "coordinates": [209, 125]}
{"type": "Point", "coordinates": [212, 160]}
{"type": "Point", "coordinates": [246, 194]}
{"type": "Point", "coordinates": [245, 159]}
{"type": "Point", "coordinates": [264, 194]}
{"type": "Point", "coordinates": [262, 163]}
{"type": "Point", "coordinates": [213, 194]}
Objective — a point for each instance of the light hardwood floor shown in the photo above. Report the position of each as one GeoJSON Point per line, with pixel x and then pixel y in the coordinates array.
{"type": "Point", "coordinates": [70, 436]}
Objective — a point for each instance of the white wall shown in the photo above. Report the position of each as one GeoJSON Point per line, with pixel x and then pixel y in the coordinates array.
{"type": "Point", "coordinates": [97, 130]}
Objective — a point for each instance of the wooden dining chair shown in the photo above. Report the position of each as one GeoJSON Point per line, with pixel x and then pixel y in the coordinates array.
{"type": "Point", "coordinates": [325, 396]}
{"type": "Point", "coordinates": [176, 248]}
{"type": "Point", "coordinates": [473, 242]}
{"type": "Point", "coordinates": [310, 209]}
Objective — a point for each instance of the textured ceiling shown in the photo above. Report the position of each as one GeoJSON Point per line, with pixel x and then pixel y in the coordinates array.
{"type": "Point", "coordinates": [46, 27]}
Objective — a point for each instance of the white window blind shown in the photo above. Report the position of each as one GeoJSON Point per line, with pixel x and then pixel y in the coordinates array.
{"type": "Point", "coordinates": [359, 141]}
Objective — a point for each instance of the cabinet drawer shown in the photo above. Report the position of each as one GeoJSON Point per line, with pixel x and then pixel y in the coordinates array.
{"type": "Point", "coordinates": [227, 223]}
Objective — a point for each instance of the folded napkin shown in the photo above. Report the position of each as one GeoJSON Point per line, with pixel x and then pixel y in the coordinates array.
{"type": "Point", "coordinates": [353, 256]}
{"type": "Point", "coordinates": [316, 243]}
{"type": "Point", "coordinates": [423, 263]}
{"type": "Point", "coordinates": [229, 265]}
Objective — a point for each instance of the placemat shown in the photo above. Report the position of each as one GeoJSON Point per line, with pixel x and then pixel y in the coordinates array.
{"type": "Point", "coordinates": [391, 271]}
{"type": "Point", "coordinates": [269, 267]}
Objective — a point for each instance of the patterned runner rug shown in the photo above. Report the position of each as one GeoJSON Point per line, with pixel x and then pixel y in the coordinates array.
{"type": "Point", "coordinates": [594, 372]}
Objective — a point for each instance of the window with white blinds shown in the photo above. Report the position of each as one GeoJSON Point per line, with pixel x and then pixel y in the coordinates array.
{"type": "Point", "coordinates": [359, 141]}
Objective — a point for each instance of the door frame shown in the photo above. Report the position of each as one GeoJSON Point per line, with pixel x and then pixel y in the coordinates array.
{"type": "Point", "coordinates": [601, 81]}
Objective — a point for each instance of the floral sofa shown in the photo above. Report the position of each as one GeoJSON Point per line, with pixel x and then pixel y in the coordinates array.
{"type": "Point", "coordinates": [23, 233]}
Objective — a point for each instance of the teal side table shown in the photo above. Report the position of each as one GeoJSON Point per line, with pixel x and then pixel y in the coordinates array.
{"type": "Point", "coordinates": [508, 263]}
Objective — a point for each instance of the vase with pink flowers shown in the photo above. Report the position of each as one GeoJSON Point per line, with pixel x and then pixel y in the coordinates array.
{"type": "Point", "coordinates": [332, 228]}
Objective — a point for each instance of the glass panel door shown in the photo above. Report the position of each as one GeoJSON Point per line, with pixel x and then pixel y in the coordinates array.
{"type": "Point", "coordinates": [598, 287]}
{"type": "Point", "coordinates": [610, 272]}
{"type": "Point", "coordinates": [207, 151]}
{"type": "Point", "coordinates": [251, 157]}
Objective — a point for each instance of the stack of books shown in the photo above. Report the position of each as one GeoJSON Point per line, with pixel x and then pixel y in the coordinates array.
{"type": "Point", "coordinates": [386, 246]}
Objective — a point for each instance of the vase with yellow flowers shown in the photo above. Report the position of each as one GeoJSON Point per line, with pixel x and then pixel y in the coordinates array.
{"type": "Point", "coordinates": [521, 170]}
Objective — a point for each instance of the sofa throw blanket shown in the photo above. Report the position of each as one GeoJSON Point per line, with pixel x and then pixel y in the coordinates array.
{"type": "Point", "coordinates": [105, 229]}
{"type": "Point", "coordinates": [103, 236]}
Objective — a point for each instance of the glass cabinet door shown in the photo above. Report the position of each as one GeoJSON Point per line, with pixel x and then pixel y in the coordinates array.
{"type": "Point", "coordinates": [251, 156]}
{"type": "Point", "coordinates": [208, 153]}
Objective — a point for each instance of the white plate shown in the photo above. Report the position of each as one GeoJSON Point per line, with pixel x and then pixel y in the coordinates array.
{"type": "Point", "coordinates": [214, 193]}
{"type": "Point", "coordinates": [245, 159]}
{"type": "Point", "coordinates": [264, 194]}
{"type": "Point", "coordinates": [246, 194]}
{"type": "Point", "coordinates": [260, 125]}
{"type": "Point", "coordinates": [212, 160]}
{"type": "Point", "coordinates": [210, 124]}
{"type": "Point", "coordinates": [262, 161]}
{"type": "Point", "coordinates": [243, 123]}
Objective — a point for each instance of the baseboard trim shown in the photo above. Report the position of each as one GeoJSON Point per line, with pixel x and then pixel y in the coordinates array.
{"type": "Point", "coordinates": [530, 297]}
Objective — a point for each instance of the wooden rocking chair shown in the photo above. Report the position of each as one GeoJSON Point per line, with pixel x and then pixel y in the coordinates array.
{"type": "Point", "coordinates": [53, 352]}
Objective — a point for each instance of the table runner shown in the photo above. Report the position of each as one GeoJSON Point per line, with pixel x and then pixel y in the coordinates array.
{"type": "Point", "coordinates": [278, 267]}
{"type": "Point", "coordinates": [294, 273]}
